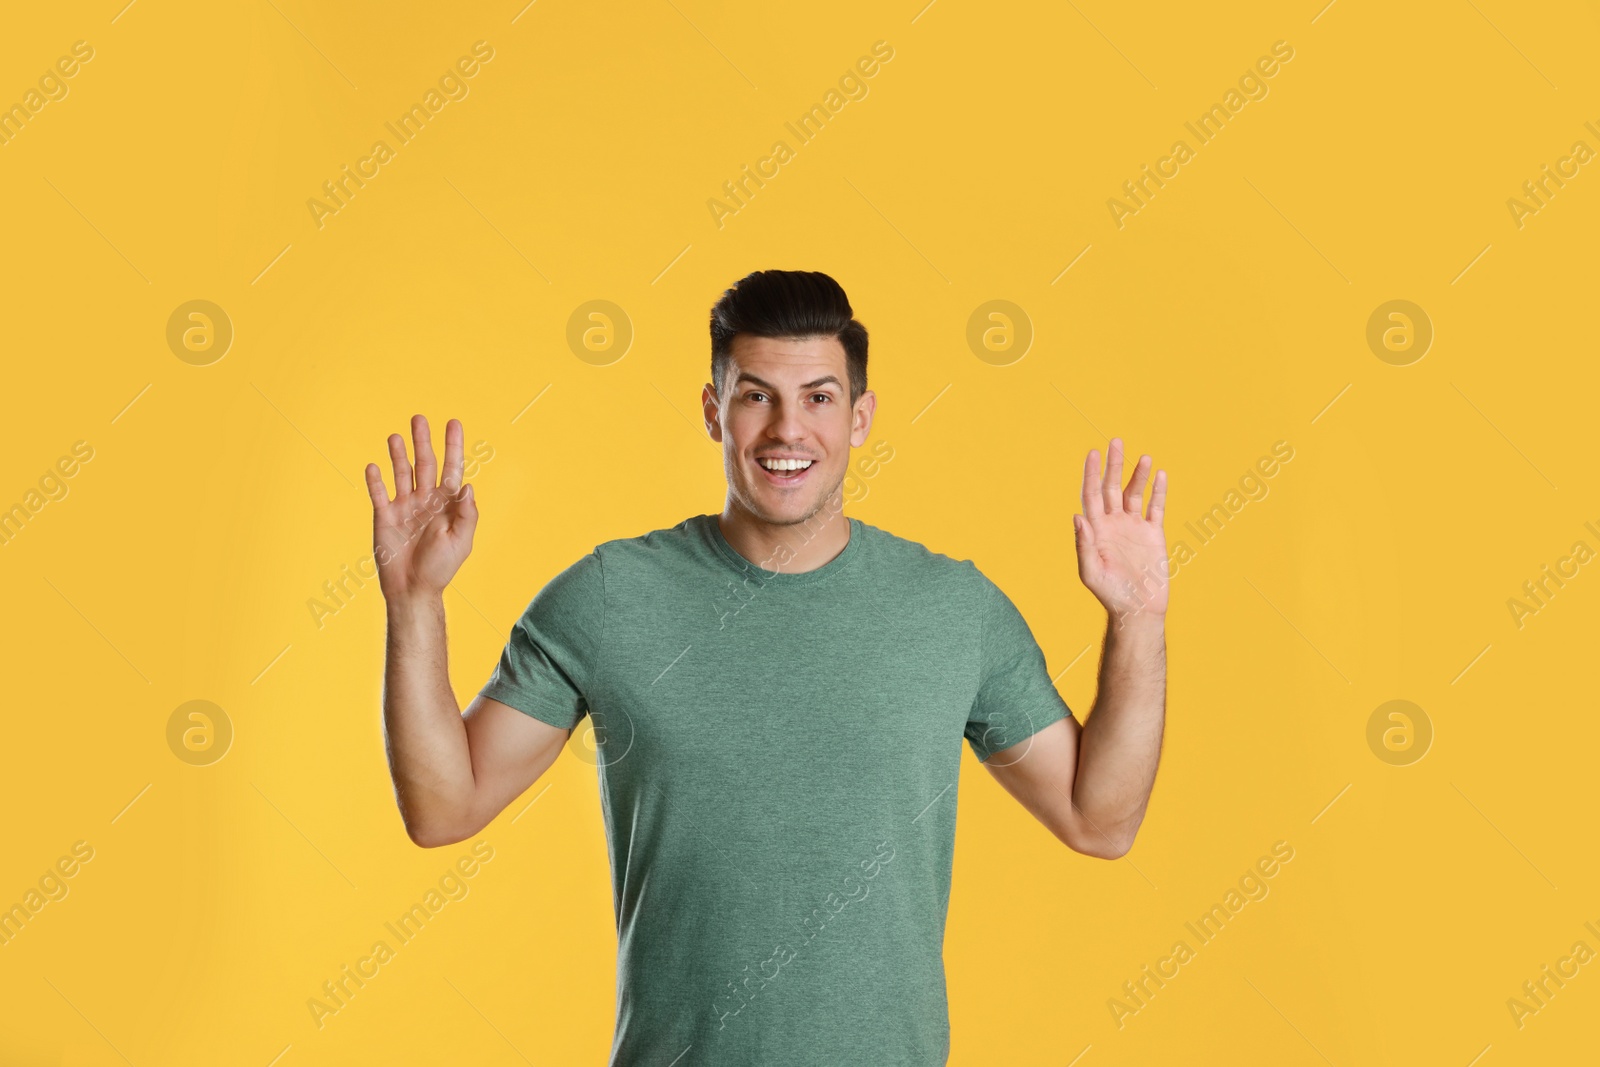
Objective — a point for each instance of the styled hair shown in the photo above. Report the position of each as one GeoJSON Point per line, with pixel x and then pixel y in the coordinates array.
{"type": "Point", "coordinates": [788, 304]}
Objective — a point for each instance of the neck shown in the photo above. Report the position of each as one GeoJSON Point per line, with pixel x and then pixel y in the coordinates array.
{"type": "Point", "coordinates": [792, 548]}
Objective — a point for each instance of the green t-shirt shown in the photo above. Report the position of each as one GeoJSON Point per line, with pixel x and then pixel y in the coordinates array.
{"type": "Point", "coordinates": [778, 757]}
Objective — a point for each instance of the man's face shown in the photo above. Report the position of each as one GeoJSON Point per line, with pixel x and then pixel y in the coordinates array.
{"type": "Point", "coordinates": [786, 398]}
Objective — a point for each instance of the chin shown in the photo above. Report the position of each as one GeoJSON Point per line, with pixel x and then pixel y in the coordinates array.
{"type": "Point", "coordinates": [783, 513]}
{"type": "Point", "coordinates": [789, 510]}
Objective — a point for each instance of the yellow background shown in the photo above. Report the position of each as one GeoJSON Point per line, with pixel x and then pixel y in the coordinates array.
{"type": "Point", "coordinates": [1223, 317]}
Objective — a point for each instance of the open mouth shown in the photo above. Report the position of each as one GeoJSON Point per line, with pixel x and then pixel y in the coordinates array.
{"type": "Point", "coordinates": [784, 472]}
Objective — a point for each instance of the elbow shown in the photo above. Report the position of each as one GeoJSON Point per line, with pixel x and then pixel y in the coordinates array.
{"type": "Point", "coordinates": [432, 833]}
{"type": "Point", "coordinates": [1102, 849]}
{"type": "Point", "coordinates": [1100, 843]}
{"type": "Point", "coordinates": [435, 821]}
{"type": "Point", "coordinates": [425, 839]}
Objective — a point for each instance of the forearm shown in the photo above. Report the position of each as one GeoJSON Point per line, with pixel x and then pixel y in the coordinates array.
{"type": "Point", "coordinates": [424, 734]}
{"type": "Point", "coordinates": [1121, 742]}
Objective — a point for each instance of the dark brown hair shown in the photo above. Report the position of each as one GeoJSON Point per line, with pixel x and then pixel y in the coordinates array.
{"type": "Point", "coordinates": [788, 303]}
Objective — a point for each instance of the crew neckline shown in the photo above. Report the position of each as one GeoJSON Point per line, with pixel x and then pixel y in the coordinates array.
{"type": "Point", "coordinates": [719, 542]}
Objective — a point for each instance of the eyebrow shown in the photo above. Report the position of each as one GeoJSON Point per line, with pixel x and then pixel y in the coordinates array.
{"type": "Point", "coordinates": [745, 376]}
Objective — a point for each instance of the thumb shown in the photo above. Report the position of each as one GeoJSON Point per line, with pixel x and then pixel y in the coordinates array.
{"type": "Point", "coordinates": [1082, 535]}
{"type": "Point", "coordinates": [466, 508]}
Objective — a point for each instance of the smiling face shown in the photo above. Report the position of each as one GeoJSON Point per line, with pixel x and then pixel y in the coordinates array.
{"type": "Point", "coordinates": [786, 403]}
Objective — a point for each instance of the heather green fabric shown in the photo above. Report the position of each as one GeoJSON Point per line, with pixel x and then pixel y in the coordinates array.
{"type": "Point", "coordinates": [778, 761]}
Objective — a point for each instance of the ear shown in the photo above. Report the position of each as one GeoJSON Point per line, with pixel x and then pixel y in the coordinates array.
{"type": "Point", "coordinates": [711, 409]}
{"type": "Point", "coordinates": [861, 418]}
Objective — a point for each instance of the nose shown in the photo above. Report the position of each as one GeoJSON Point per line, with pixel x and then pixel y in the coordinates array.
{"type": "Point", "coordinates": [786, 425]}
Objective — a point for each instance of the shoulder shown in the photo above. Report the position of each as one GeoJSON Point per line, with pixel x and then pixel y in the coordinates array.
{"type": "Point", "coordinates": [652, 547]}
{"type": "Point", "coordinates": [916, 561]}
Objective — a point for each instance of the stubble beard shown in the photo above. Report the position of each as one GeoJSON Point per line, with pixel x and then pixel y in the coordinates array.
{"type": "Point", "coordinates": [832, 501]}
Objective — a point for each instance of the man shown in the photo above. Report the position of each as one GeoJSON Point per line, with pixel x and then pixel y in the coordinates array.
{"type": "Point", "coordinates": [779, 695]}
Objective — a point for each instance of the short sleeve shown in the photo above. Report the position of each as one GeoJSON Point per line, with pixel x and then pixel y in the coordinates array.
{"type": "Point", "coordinates": [1016, 698]}
{"type": "Point", "coordinates": [553, 653]}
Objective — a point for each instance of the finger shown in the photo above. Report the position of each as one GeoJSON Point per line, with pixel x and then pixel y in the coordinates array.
{"type": "Point", "coordinates": [1133, 495]}
{"type": "Point", "coordinates": [402, 466]}
{"type": "Point", "coordinates": [464, 513]}
{"type": "Point", "coordinates": [375, 489]}
{"type": "Point", "coordinates": [427, 466]}
{"type": "Point", "coordinates": [1093, 503]}
{"type": "Point", "coordinates": [1158, 499]}
{"type": "Point", "coordinates": [1083, 533]}
{"type": "Point", "coordinates": [453, 462]}
{"type": "Point", "coordinates": [1113, 476]}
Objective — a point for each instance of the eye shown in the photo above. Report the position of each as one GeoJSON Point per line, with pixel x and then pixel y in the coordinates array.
{"type": "Point", "coordinates": [824, 396]}
{"type": "Point", "coordinates": [753, 393]}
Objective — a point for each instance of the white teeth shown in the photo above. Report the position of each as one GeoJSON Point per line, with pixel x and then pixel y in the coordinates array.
{"type": "Point", "coordinates": [785, 464]}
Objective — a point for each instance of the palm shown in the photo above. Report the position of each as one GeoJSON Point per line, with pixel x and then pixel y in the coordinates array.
{"type": "Point", "coordinates": [1122, 555]}
{"type": "Point", "coordinates": [422, 536]}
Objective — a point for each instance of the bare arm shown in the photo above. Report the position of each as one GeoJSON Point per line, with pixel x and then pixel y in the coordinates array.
{"type": "Point", "coordinates": [1090, 785]}
{"type": "Point", "coordinates": [453, 773]}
